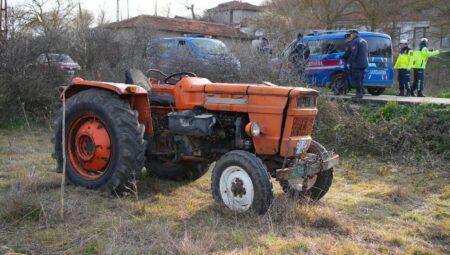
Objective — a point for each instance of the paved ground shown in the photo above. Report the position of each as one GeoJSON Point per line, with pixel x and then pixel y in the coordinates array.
{"type": "Point", "coordinates": [401, 100]}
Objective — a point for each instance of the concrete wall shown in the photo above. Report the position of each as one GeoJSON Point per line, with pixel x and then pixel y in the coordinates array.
{"type": "Point", "coordinates": [231, 17]}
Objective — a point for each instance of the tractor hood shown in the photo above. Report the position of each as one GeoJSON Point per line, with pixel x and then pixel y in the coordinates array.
{"type": "Point", "coordinates": [266, 88]}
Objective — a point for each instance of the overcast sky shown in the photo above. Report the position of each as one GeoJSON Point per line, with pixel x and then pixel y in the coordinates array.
{"type": "Point", "coordinates": [138, 7]}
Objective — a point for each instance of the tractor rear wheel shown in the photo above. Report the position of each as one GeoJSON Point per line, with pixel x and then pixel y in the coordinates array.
{"type": "Point", "coordinates": [314, 187]}
{"type": "Point", "coordinates": [176, 171]}
{"type": "Point", "coordinates": [104, 141]}
{"type": "Point", "coordinates": [240, 181]}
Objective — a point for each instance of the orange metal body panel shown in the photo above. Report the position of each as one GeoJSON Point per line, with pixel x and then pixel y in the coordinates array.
{"type": "Point", "coordinates": [79, 84]}
{"type": "Point", "coordinates": [140, 103]}
{"type": "Point", "coordinates": [264, 104]}
{"type": "Point", "coordinates": [135, 94]}
{"type": "Point", "coordinates": [299, 124]}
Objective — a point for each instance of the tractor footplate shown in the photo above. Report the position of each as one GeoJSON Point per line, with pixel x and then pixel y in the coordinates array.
{"type": "Point", "coordinates": [304, 168]}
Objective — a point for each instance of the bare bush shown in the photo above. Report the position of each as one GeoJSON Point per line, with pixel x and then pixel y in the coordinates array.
{"type": "Point", "coordinates": [406, 133]}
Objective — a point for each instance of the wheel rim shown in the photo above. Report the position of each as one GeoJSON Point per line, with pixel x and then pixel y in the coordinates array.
{"type": "Point", "coordinates": [297, 183]}
{"type": "Point", "coordinates": [236, 189]}
{"type": "Point", "coordinates": [89, 147]}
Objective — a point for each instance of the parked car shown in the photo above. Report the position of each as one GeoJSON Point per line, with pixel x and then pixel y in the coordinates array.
{"type": "Point", "coordinates": [63, 61]}
{"type": "Point", "coordinates": [325, 66]}
{"type": "Point", "coordinates": [203, 56]}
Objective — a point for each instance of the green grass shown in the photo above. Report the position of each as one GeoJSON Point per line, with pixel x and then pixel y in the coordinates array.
{"type": "Point", "coordinates": [373, 207]}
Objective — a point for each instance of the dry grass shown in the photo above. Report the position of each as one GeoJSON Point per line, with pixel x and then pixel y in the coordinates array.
{"type": "Point", "coordinates": [373, 207]}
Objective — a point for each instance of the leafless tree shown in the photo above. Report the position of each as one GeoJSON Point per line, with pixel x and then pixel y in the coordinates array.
{"type": "Point", "coordinates": [327, 12]}
{"type": "Point", "coordinates": [44, 16]}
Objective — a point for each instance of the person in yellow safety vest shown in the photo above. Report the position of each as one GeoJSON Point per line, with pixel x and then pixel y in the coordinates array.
{"type": "Point", "coordinates": [404, 64]}
{"type": "Point", "coordinates": [420, 62]}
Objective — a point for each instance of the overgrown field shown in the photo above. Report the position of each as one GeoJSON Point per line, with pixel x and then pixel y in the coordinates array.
{"type": "Point", "coordinates": [375, 206]}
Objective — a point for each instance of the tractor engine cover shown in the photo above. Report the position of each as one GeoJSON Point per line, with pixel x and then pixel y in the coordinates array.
{"type": "Point", "coordinates": [190, 123]}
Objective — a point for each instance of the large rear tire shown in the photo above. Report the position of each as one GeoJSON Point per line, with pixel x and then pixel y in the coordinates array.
{"type": "Point", "coordinates": [240, 181]}
{"type": "Point", "coordinates": [317, 185]}
{"type": "Point", "coordinates": [176, 171]}
{"type": "Point", "coordinates": [104, 141]}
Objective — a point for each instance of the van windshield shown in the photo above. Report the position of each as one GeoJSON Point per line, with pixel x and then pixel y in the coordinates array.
{"type": "Point", "coordinates": [211, 47]}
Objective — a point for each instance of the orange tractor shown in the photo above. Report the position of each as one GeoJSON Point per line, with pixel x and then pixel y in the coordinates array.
{"type": "Point", "coordinates": [177, 127]}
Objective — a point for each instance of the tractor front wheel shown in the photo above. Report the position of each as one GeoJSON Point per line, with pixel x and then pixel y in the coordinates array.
{"type": "Point", "coordinates": [104, 141]}
{"type": "Point", "coordinates": [313, 187]}
{"type": "Point", "coordinates": [240, 181]}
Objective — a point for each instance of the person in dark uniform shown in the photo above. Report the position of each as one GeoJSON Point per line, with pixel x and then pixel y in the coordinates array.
{"type": "Point", "coordinates": [344, 85]}
{"type": "Point", "coordinates": [300, 54]}
{"type": "Point", "coordinates": [358, 61]}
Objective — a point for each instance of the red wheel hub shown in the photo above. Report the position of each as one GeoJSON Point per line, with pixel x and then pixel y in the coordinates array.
{"type": "Point", "coordinates": [89, 146]}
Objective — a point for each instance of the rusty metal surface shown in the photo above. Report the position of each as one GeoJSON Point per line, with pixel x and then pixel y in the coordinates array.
{"type": "Point", "coordinates": [305, 168]}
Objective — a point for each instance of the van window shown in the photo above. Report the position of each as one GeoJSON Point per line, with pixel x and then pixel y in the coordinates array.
{"type": "Point", "coordinates": [379, 47]}
{"type": "Point", "coordinates": [161, 48]}
{"type": "Point", "coordinates": [326, 46]}
{"type": "Point", "coordinates": [211, 47]}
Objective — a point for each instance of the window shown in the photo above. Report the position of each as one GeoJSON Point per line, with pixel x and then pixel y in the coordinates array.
{"type": "Point", "coordinates": [161, 48]}
{"type": "Point", "coordinates": [210, 47]}
{"type": "Point", "coordinates": [327, 46]}
{"type": "Point", "coordinates": [379, 47]}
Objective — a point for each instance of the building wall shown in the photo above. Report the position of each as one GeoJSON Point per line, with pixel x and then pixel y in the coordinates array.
{"type": "Point", "coordinates": [231, 17]}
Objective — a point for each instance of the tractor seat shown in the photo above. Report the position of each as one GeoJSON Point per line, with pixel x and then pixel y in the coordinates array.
{"type": "Point", "coordinates": [137, 77]}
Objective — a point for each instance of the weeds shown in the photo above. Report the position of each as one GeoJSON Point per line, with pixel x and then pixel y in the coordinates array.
{"type": "Point", "coordinates": [416, 134]}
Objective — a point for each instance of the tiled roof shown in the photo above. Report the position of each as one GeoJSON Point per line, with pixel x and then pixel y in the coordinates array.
{"type": "Point", "coordinates": [188, 26]}
{"type": "Point", "coordinates": [235, 5]}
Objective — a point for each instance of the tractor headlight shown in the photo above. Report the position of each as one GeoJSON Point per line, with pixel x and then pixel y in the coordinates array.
{"type": "Point", "coordinates": [301, 146]}
{"type": "Point", "coordinates": [253, 129]}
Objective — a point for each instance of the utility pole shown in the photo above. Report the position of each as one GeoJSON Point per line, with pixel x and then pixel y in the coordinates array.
{"type": "Point", "coordinates": [117, 11]}
{"type": "Point", "coordinates": [3, 18]}
{"type": "Point", "coordinates": [156, 7]}
{"type": "Point", "coordinates": [128, 10]}
{"type": "Point", "coordinates": [192, 10]}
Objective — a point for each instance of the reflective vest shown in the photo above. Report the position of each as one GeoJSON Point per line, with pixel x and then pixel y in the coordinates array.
{"type": "Point", "coordinates": [405, 59]}
{"type": "Point", "coordinates": [421, 57]}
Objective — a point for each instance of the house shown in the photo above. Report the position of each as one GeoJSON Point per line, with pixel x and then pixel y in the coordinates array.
{"type": "Point", "coordinates": [157, 26]}
{"type": "Point", "coordinates": [233, 13]}
{"type": "Point", "coordinates": [412, 27]}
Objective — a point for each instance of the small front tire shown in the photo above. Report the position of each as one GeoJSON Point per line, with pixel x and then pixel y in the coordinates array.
{"type": "Point", "coordinates": [240, 182]}
{"type": "Point", "coordinates": [316, 186]}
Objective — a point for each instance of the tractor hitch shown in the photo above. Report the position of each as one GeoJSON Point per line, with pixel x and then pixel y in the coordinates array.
{"type": "Point", "coordinates": [306, 167]}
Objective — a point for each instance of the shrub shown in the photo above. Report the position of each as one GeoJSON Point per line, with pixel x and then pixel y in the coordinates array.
{"type": "Point", "coordinates": [413, 133]}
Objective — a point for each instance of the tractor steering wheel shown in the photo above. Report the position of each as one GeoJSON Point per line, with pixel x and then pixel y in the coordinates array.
{"type": "Point", "coordinates": [172, 76]}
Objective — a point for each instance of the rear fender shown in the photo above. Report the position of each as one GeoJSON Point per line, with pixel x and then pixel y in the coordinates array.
{"type": "Point", "coordinates": [136, 95]}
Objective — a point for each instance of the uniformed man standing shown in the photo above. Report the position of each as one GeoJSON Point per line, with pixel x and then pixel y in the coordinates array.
{"type": "Point", "coordinates": [358, 62]}
{"type": "Point", "coordinates": [300, 54]}
{"type": "Point", "coordinates": [420, 62]}
{"type": "Point", "coordinates": [344, 86]}
{"type": "Point", "coordinates": [404, 64]}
